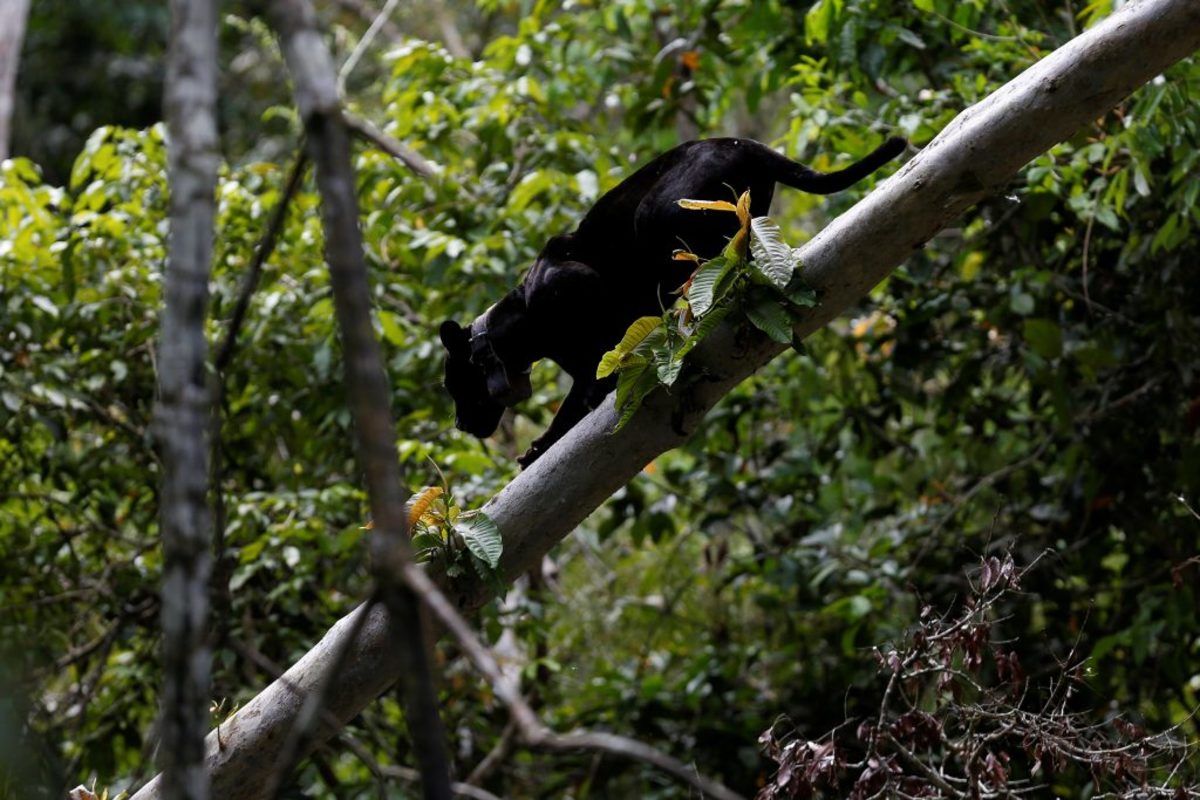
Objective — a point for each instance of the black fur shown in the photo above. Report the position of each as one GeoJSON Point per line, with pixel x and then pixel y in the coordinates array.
{"type": "Point", "coordinates": [587, 286]}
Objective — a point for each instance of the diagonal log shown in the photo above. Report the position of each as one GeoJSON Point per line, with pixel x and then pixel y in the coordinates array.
{"type": "Point", "coordinates": [973, 157]}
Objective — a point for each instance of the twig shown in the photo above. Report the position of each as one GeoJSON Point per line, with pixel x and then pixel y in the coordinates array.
{"type": "Point", "coordinates": [451, 36]}
{"type": "Point", "coordinates": [1087, 241]}
{"type": "Point", "coordinates": [532, 730]}
{"type": "Point", "coordinates": [1123, 400]}
{"type": "Point", "coordinates": [495, 756]}
{"type": "Point", "coordinates": [935, 777]}
{"type": "Point", "coordinates": [1193, 511]}
{"type": "Point", "coordinates": [328, 143]}
{"type": "Point", "coordinates": [369, 133]}
{"type": "Point", "coordinates": [369, 15]}
{"type": "Point", "coordinates": [357, 53]}
{"type": "Point", "coordinates": [406, 774]}
{"type": "Point", "coordinates": [266, 247]}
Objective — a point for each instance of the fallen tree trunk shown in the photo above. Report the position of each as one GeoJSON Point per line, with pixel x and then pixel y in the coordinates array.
{"type": "Point", "coordinates": [973, 157]}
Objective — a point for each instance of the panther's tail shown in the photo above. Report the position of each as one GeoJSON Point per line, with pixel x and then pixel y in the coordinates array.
{"type": "Point", "coordinates": [798, 176]}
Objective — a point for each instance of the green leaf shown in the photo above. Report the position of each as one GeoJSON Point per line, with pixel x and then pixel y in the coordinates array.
{"type": "Point", "coordinates": [1045, 337]}
{"type": "Point", "coordinates": [702, 293]}
{"type": "Point", "coordinates": [772, 255]}
{"type": "Point", "coordinates": [609, 363]}
{"type": "Point", "coordinates": [637, 332]}
{"type": "Point", "coordinates": [704, 327]}
{"type": "Point", "coordinates": [818, 22]}
{"type": "Point", "coordinates": [45, 304]}
{"type": "Point", "coordinates": [770, 317]}
{"type": "Point", "coordinates": [481, 536]}
{"type": "Point", "coordinates": [668, 371]}
{"type": "Point", "coordinates": [619, 356]}
{"type": "Point", "coordinates": [654, 344]}
{"type": "Point", "coordinates": [426, 545]}
{"type": "Point", "coordinates": [971, 265]}
{"type": "Point", "coordinates": [910, 38]}
{"type": "Point", "coordinates": [1021, 303]}
{"type": "Point", "coordinates": [532, 185]}
{"type": "Point", "coordinates": [391, 328]}
{"type": "Point", "coordinates": [632, 388]}
{"type": "Point", "coordinates": [801, 294]}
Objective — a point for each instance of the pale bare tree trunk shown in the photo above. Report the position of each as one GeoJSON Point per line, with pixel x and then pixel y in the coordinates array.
{"type": "Point", "coordinates": [182, 417]}
{"type": "Point", "coordinates": [973, 157]}
{"type": "Point", "coordinates": [13, 14]}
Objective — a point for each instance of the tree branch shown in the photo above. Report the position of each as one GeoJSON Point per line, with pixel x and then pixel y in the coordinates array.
{"type": "Point", "coordinates": [13, 14]}
{"type": "Point", "coordinates": [266, 247]}
{"type": "Point", "coordinates": [328, 145]}
{"type": "Point", "coordinates": [372, 135]}
{"type": "Point", "coordinates": [974, 156]}
{"type": "Point", "coordinates": [533, 732]}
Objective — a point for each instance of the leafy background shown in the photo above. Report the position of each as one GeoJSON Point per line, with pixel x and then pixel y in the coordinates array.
{"type": "Point", "coordinates": [1026, 382]}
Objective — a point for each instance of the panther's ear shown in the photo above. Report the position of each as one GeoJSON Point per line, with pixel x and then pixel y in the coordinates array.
{"type": "Point", "coordinates": [454, 336]}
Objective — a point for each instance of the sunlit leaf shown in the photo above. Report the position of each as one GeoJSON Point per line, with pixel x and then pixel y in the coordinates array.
{"type": "Point", "coordinates": [743, 209]}
{"type": "Point", "coordinates": [708, 205]}
{"type": "Point", "coordinates": [420, 503]}
{"type": "Point", "coordinates": [481, 536]}
{"type": "Point", "coordinates": [701, 294]}
{"type": "Point", "coordinates": [635, 335]}
{"type": "Point", "coordinates": [772, 255]}
{"type": "Point", "coordinates": [637, 332]}
{"type": "Point", "coordinates": [668, 371]}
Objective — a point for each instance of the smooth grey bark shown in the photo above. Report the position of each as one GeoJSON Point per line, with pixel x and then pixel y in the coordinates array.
{"type": "Point", "coordinates": [328, 145]}
{"type": "Point", "coordinates": [974, 156]}
{"type": "Point", "coordinates": [182, 416]}
{"type": "Point", "coordinates": [13, 14]}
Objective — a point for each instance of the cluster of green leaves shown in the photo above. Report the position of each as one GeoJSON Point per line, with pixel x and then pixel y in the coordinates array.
{"type": "Point", "coordinates": [443, 531]}
{"type": "Point", "coordinates": [755, 273]}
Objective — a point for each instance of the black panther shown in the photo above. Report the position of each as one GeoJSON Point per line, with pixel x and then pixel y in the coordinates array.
{"type": "Point", "coordinates": [586, 287]}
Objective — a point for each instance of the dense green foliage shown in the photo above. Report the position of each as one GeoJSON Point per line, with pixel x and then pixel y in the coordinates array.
{"type": "Point", "coordinates": [1028, 381]}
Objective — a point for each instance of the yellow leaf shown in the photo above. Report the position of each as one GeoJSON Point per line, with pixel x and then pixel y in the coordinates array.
{"type": "Point", "coordinates": [684, 255]}
{"type": "Point", "coordinates": [971, 265]}
{"type": "Point", "coordinates": [738, 245]}
{"type": "Point", "coordinates": [743, 209]}
{"type": "Point", "coordinates": [708, 205]}
{"type": "Point", "coordinates": [608, 364]}
{"type": "Point", "coordinates": [419, 505]}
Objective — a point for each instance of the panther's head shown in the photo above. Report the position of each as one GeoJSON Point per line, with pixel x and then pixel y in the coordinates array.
{"type": "Point", "coordinates": [479, 380]}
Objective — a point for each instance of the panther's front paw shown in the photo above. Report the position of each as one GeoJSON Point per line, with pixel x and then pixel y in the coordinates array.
{"type": "Point", "coordinates": [531, 455]}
